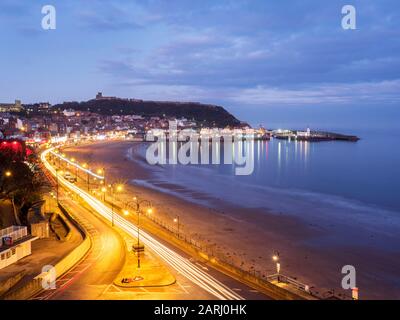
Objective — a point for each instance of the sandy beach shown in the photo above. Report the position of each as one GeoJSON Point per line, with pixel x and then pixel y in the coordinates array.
{"type": "Point", "coordinates": [251, 236]}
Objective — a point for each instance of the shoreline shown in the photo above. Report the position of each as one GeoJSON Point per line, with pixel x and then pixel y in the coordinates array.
{"type": "Point", "coordinates": [252, 235]}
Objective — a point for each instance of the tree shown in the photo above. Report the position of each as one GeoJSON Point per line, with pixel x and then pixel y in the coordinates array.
{"type": "Point", "coordinates": [20, 182]}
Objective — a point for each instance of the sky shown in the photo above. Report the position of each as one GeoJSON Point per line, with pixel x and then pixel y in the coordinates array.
{"type": "Point", "coordinates": [272, 62]}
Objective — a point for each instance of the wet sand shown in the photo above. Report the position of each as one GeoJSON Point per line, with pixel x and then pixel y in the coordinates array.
{"type": "Point", "coordinates": [250, 236]}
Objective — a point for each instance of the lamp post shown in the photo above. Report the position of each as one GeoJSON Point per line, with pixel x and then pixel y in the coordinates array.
{"type": "Point", "coordinates": [57, 183]}
{"type": "Point", "coordinates": [138, 203]}
{"type": "Point", "coordinates": [76, 173]}
{"type": "Point", "coordinates": [103, 172]}
{"type": "Point", "coordinates": [176, 220]}
{"type": "Point", "coordinates": [275, 258]}
{"type": "Point", "coordinates": [119, 189]}
{"type": "Point", "coordinates": [85, 166]}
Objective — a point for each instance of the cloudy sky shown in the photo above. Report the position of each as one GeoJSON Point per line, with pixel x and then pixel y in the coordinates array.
{"type": "Point", "coordinates": [263, 60]}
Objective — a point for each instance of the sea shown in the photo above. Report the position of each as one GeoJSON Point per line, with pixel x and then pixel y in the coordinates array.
{"type": "Point", "coordinates": [352, 182]}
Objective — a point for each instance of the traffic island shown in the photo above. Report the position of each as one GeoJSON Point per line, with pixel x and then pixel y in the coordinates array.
{"type": "Point", "coordinates": [151, 273]}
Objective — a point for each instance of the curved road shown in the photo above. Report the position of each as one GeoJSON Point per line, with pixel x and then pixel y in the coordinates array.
{"type": "Point", "coordinates": [97, 270]}
{"type": "Point", "coordinates": [92, 278]}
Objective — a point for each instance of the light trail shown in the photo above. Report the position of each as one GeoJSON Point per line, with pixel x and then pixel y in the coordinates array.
{"type": "Point", "coordinates": [77, 165]}
{"type": "Point", "coordinates": [175, 260]}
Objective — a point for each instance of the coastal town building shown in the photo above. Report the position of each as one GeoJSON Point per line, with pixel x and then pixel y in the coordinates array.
{"type": "Point", "coordinates": [306, 133]}
{"type": "Point", "coordinates": [15, 244]}
{"type": "Point", "coordinates": [11, 107]}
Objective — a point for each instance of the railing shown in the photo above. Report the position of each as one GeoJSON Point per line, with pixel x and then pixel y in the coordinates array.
{"type": "Point", "coordinates": [15, 232]}
{"type": "Point", "coordinates": [229, 261]}
{"type": "Point", "coordinates": [285, 279]}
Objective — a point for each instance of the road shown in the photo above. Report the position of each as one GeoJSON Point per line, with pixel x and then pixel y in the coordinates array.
{"type": "Point", "coordinates": [100, 266]}
{"type": "Point", "coordinates": [92, 278]}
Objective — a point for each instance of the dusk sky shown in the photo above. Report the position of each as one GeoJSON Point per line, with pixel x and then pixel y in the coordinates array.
{"type": "Point", "coordinates": [262, 60]}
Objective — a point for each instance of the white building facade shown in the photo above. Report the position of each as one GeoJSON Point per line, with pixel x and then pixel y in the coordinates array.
{"type": "Point", "coordinates": [15, 244]}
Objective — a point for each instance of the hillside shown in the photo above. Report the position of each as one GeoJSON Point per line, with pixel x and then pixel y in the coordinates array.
{"type": "Point", "coordinates": [209, 115]}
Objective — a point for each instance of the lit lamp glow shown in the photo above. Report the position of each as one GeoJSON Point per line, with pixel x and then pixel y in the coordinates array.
{"type": "Point", "coordinates": [275, 258]}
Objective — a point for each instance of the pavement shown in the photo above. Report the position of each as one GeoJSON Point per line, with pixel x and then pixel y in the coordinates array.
{"type": "Point", "coordinates": [151, 273]}
{"type": "Point", "coordinates": [44, 252]}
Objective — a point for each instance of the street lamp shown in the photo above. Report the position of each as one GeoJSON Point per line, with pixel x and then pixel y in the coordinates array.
{"type": "Point", "coordinates": [176, 220]}
{"type": "Point", "coordinates": [102, 171]}
{"type": "Point", "coordinates": [8, 174]}
{"type": "Point", "coordinates": [57, 182]}
{"type": "Point", "coordinates": [86, 166]}
{"type": "Point", "coordinates": [119, 188]}
{"type": "Point", "coordinates": [275, 258]}
{"type": "Point", "coordinates": [138, 203]}
{"type": "Point", "coordinates": [104, 190]}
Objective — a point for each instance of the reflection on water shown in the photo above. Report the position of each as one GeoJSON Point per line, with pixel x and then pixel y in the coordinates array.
{"type": "Point", "coordinates": [350, 170]}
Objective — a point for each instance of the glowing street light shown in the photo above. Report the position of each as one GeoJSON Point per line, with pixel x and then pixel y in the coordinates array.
{"type": "Point", "coordinates": [8, 174]}
{"type": "Point", "coordinates": [117, 188]}
{"type": "Point", "coordinates": [275, 258]}
{"type": "Point", "coordinates": [126, 213]}
{"type": "Point", "coordinates": [176, 220]}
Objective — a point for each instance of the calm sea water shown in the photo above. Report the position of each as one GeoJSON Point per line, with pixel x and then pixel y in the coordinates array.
{"type": "Point", "coordinates": [310, 179]}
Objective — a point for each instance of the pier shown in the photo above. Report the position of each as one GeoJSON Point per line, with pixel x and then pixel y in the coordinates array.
{"type": "Point", "coordinates": [309, 135]}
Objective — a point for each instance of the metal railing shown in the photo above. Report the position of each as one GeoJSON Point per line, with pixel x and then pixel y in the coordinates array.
{"type": "Point", "coordinates": [15, 232]}
{"type": "Point", "coordinates": [285, 279]}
